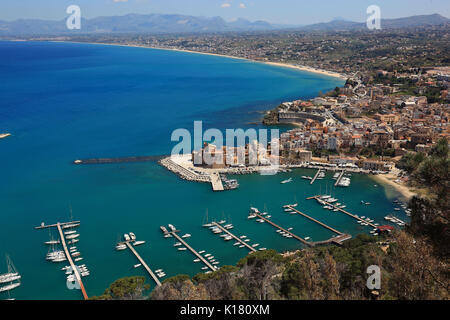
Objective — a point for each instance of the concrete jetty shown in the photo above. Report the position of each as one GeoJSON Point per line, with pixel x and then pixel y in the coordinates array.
{"type": "Point", "coordinates": [198, 255]}
{"type": "Point", "coordinates": [144, 264]}
{"type": "Point", "coordinates": [234, 237]}
{"type": "Point", "coordinates": [339, 178]}
{"type": "Point", "coordinates": [346, 212]}
{"type": "Point", "coordinates": [315, 176]}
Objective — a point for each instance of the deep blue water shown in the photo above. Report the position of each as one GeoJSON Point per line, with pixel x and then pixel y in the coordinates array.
{"type": "Point", "coordinates": [63, 102]}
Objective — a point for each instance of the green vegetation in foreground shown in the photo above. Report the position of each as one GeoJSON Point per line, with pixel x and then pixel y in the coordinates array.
{"type": "Point", "coordinates": [130, 288]}
{"type": "Point", "coordinates": [414, 263]}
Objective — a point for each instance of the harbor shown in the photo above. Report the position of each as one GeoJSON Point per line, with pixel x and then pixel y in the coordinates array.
{"type": "Point", "coordinates": [354, 216]}
{"type": "Point", "coordinates": [162, 253]}
{"type": "Point", "coordinates": [203, 259]}
{"type": "Point", "coordinates": [238, 239]}
{"type": "Point", "coordinates": [57, 257]}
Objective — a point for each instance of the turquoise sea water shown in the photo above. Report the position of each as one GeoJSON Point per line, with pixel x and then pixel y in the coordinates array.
{"type": "Point", "coordinates": [63, 102]}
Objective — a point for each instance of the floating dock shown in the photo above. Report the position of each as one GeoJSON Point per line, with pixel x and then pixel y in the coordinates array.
{"type": "Point", "coordinates": [234, 237]}
{"type": "Point", "coordinates": [346, 212]}
{"type": "Point", "coordinates": [150, 272]}
{"type": "Point", "coordinates": [316, 221]}
{"type": "Point", "coordinates": [284, 230]}
{"type": "Point", "coordinates": [66, 251]}
{"type": "Point", "coordinates": [315, 176]}
{"type": "Point", "coordinates": [198, 255]}
{"type": "Point", "coordinates": [339, 178]}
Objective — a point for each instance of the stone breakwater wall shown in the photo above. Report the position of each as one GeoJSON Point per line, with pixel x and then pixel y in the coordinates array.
{"type": "Point", "coordinates": [184, 173]}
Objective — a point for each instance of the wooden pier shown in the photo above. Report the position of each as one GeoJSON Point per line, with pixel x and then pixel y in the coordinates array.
{"type": "Point", "coordinates": [150, 272]}
{"type": "Point", "coordinates": [346, 212]}
{"type": "Point", "coordinates": [198, 255]}
{"type": "Point", "coordinates": [235, 237]}
{"type": "Point", "coordinates": [72, 264]}
{"type": "Point", "coordinates": [66, 252]}
{"type": "Point", "coordinates": [316, 221]}
{"type": "Point", "coordinates": [284, 230]}
{"type": "Point", "coordinates": [315, 177]}
{"type": "Point", "coordinates": [339, 178]}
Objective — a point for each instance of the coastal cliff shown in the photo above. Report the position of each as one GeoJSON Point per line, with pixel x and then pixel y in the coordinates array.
{"type": "Point", "coordinates": [330, 273]}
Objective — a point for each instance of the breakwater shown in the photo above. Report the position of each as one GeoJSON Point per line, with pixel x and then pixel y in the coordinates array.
{"type": "Point", "coordinates": [118, 160]}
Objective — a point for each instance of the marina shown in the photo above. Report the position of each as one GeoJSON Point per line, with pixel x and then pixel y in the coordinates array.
{"type": "Point", "coordinates": [316, 176]}
{"type": "Point", "coordinates": [242, 242]}
{"type": "Point", "coordinates": [261, 217]}
{"type": "Point", "coordinates": [339, 178]}
{"type": "Point", "coordinates": [173, 232]}
{"type": "Point", "coordinates": [346, 212]}
{"type": "Point", "coordinates": [316, 221]}
{"type": "Point", "coordinates": [66, 255]}
{"type": "Point", "coordinates": [143, 263]}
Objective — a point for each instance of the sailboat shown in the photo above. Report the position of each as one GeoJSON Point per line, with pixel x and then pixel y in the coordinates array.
{"type": "Point", "coordinates": [12, 277]}
{"type": "Point", "coordinates": [206, 224]}
{"type": "Point", "coordinates": [51, 241]}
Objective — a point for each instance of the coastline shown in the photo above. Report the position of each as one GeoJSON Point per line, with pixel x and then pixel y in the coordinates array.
{"type": "Point", "coordinates": [277, 64]}
{"type": "Point", "coordinates": [389, 179]}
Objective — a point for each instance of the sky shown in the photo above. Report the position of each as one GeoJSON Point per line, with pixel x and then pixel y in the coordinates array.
{"type": "Point", "coordinates": [297, 12]}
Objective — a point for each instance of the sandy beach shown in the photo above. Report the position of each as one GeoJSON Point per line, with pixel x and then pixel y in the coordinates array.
{"type": "Point", "coordinates": [389, 179]}
{"type": "Point", "coordinates": [278, 64]}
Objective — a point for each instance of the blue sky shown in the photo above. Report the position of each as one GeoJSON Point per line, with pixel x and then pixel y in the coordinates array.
{"type": "Point", "coordinates": [275, 11]}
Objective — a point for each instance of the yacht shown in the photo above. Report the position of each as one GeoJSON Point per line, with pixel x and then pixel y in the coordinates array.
{"type": "Point", "coordinates": [11, 275]}
{"type": "Point", "coordinates": [137, 243]}
{"type": "Point", "coordinates": [163, 229]}
{"type": "Point", "coordinates": [182, 249]}
{"type": "Point", "coordinates": [72, 225]}
{"type": "Point", "coordinates": [203, 251]}
{"type": "Point", "coordinates": [187, 235]}
{"type": "Point", "coordinates": [70, 232]}
{"type": "Point", "coordinates": [72, 236]}
{"type": "Point", "coordinates": [132, 236]}
{"type": "Point", "coordinates": [196, 260]}
{"type": "Point", "coordinates": [177, 244]}
{"type": "Point", "coordinates": [286, 181]}
{"type": "Point", "coordinates": [137, 265]}
{"type": "Point", "coordinates": [126, 237]}
{"type": "Point", "coordinates": [121, 246]}
{"type": "Point", "coordinates": [307, 238]}
{"type": "Point", "coordinates": [172, 227]}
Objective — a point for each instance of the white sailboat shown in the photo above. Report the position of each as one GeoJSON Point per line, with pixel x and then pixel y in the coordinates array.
{"type": "Point", "coordinates": [12, 277]}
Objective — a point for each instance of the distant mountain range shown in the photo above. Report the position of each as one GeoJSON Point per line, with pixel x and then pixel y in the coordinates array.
{"type": "Point", "coordinates": [171, 23]}
{"type": "Point", "coordinates": [344, 25]}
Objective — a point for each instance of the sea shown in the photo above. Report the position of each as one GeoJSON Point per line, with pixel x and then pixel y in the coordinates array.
{"type": "Point", "coordinates": [68, 101]}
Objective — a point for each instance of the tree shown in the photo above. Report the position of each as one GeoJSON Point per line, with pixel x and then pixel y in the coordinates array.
{"type": "Point", "coordinates": [130, 288]}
